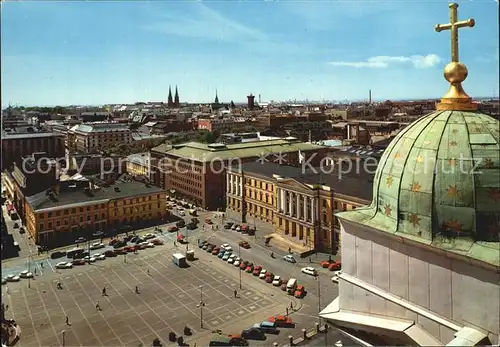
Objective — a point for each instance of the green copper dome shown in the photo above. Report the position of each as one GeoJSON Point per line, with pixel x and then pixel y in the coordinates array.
{"type": "Point", "coordinates": [438, 183]}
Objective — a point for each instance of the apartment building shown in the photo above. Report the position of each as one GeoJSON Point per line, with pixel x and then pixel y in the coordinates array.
{"type": "Point", "coordinates": [79, 208]}
{"type": "Point", "coordinates": [93, 137]}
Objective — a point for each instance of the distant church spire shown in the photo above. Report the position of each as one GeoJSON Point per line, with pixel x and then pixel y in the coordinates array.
{"type": "Point", "coordinates": [170, 102]}
{"type": "Point", "coordinates": [216, 101]}
{"type": "Point", "coordinates": [176, 98]}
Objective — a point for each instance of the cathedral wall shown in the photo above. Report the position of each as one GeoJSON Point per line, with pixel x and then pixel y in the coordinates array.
{"type": "Point", "coordinates": [450, 288]}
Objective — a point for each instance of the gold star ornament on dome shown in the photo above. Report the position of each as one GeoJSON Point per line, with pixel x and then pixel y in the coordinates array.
{"type": "Point", "coordinates": [388, 181]}
{"type": "Point", "coordinates": [454, 225]}
{"type": "Point", "coordinates": [414, 219]}
{"type": "Point", "coordinates": [456, 99]}
{"type": "Point", "coordinates": [420, 159]}
{"type": "Point", "coordinates": [453, 144]}
{"type": "Point", "coordinates": [397, 155]}
{"type": "Point", "coordinates": [388, 210]}
{"type": "Point", "coordinates": [415, 187]}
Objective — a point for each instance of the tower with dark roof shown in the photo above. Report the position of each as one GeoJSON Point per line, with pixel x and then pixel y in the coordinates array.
{"type": "Point", "coordinates": [216, 101]}
{"type": "Point", "coordinates": [176, 98]}
{"type": "Point", "coordinates": [170, 102]}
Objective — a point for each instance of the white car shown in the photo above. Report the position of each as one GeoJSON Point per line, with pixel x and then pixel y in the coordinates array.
{"type": "Point", "coordinates": [89, 259]}
{"type": "Point", "coordinates": [231, 259]}
{"type": "Point", "coordinates": [149, 236]}
{"type": "Point", "coordinates": [238, 228]}
{"type": "Point", "coordinates": [227, 247]}
{"type": "Point", "coordinates": [150, 245]}
{"type": "Point", "coordinates": [289, 258]}
{"type": "Point", "coordinates": [64, 265]}
{"type": "Point", "coordinates": [13, 278]}
{"type": "Point", "coordinates": [262, 274]}
{"type": "Point", "coordinates": [237, 261]}
{"type": "Point", "coordinates": [97, 245]}
{"type": "Point", "coordinates": [277, 281]}
{"type": "Point", "coordinates": [335, 278]}
{"type": "Point", "coordinates": [309, 271]}
{"type": "Point", "coordinates": [26, 274]}
{"type": "Point", "coordinates": [99, 256]}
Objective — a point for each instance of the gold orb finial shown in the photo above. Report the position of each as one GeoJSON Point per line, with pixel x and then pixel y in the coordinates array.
{"type": "Point", "coordinates": [455, 72]}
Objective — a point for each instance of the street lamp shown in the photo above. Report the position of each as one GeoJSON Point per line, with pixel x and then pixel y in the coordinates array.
{"type": "Point", "coordinates": [239, 254]}
{"type": "Point", "coordinates": [201, 306]}
{"type": "Point", "coordinates": [319, 299]}
{"type": "Point", "coordinates": [63, 338]}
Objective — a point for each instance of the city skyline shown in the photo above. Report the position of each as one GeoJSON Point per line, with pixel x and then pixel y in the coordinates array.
{"type": "Point", "coordinates": [63, 53]}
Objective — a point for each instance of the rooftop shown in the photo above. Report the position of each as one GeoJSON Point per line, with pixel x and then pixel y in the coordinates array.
{"type": "Point", "coordinates": [21, 132]}
{"type": "Point", "coordinates": [358, 185]}
{"type": "Point", "coordinates": [218, 151]}
{"type": "Point", "coordinates": [74, 195]}
{"type": "Point", "coordinates": [99, 127]}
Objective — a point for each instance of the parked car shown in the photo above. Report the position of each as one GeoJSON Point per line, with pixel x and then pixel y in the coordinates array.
{"type": "Point", "coordinates": [267, 327]}
{"type": "Point", "coordinates": [80, 240]}
{"type": "Point", "coordinates": [130, 249]}
{"type": "Point", "coordinates": [234, 226]}
{"type": "Point", "coordinates": [64, 265]}
{"type": "Point", "coordinates": [324, 264]}
{"type": "Point", "coordinates": [157, 242]}
{"type": "Point", "coordinates": [237, 261]}
{"type": "Point", "coordinates": [281, 321]}
{"type": "Point", "coordinates": [195, 220]}
{"type": "Point", "coordinates": [216, 251]}
{"type": "Point", "coordinates": [190, 226]}
{"type": "Point", "coordinates": [119, 244]}
{"type": "Point", "coordinates": [57, 255]}
{"type": "Point", "coordinates": [335, 266]}
{"type": "Point", "coordinates": [253, 334]}
{"type": "Point", "coordinates": [231, 259]}
{"type": "Point", "coordinates": [244, 264]}
{"type": "Point", "coordinates": [113, 242]}
{"type": "Point", "coordinates": [277, 281]}
{"type": "Point", "coordinates": [180, 224]}
{"type": "Point", "coordinates": [244, 244]}
{"type": "Point", "coordinates": [256, 270]}
{"type": "Point", "coordinates": [300, 292]}
{"type": "Point", "coordinates": [78, 262]}
{"type": "Point", "coordinates": [120, 251]}
{"type": "Point", "coordinates": [149, 236]}
{"type": "Point", "coordinates": [89, 259]}
{"type": "Point", "coordinates": [269, 279]}
{"type": "Point", "coordinates": [289, 258]}
{"type": "Point", "coordinates": [172, 229]}
{"type": "Point", "coordinates": [226, 247]}
{"type": "Point", "coordinates": [210, 248]}
{"type": "Point", "coordinates": [110, 253]}
{"type": "Point", "coordinates": [262, 274]}
{"type": "Point", "coordinates": [309, 271]}
{"type": "Point", "coordinates": [97, 245]}
{"type": "Point", "coordinates": [208, 221]}
{"type": "Point", "coordinates": [226, 256]}
{"type": "Point", "coordinates": [228, 225]}
{"type": "Point", "coordinates": [13, 278]}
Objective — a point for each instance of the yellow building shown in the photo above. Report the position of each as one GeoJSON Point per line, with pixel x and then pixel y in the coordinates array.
{"type": "Point", "coordinates": [138, 164]}
{"type": "Point", "coordinates": [73, 209]}
{"type": "Point", "coordinates": [298, 205]}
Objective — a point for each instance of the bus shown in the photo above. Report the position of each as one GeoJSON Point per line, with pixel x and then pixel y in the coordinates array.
{"type": "Point", "coordinates": [179, 260]}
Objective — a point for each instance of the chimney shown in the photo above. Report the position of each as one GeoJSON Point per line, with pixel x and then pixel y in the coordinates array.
{"type": "Point", "coordinates": [250, 101]}
{"type": "Point", "coordinates": [358, 138]}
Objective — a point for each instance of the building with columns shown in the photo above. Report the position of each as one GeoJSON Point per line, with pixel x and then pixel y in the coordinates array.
{"type": "Point", "coordinates": [295, 203]}
{"type": "Point", "coordinates": [421, 264]}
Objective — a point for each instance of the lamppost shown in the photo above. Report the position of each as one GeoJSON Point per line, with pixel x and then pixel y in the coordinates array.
{"type": "Point", "coordinates": [201, 306]}
{"type": "Point", "coordinates": [319, 299]}
{"type": "Point", "coordinates": [29, 270]}
{"type": "Point", "coordinates": [63, 338]}
{"type": "Point", "coordinates": [239, 254]}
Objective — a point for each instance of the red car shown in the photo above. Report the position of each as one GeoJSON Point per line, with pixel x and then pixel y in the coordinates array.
{"type": "Point", "coordinates": [281, 321]}
{"type": "Point", "coordinates": [244, 244]}
{"type": "Point", "coordinates": [216, 251]}
{"type": "Point", "coordinates": [283, 285]}
{"type": "Point", "coordinates": [172, 229]}
{"type": "Point", "coordinates": [129, 249]}
{"type": "Point", "coordinates": [269, 279]}
{"type": "Point", "coordinates": [335, 266]}
{"type": "Point", "coordinates": [256, 270]}
{"type": "Point", "coordinates": [244, 265]}
{"type": "Point", "coordinates": [324, 264]}
{"type": "Point", "coordinates": [78, 262]}
{"type": "Point", "coordinates": [300, 291]}
{"type": "Point", "coordinates": [140, 246]}
{"type": "Point", "coordinates": [157, 242]}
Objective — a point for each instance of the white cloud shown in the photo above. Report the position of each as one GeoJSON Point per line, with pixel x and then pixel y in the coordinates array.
{"type": "Point", "coordinates": [205, 23]}
{"type": "Point", "coordinates": [382, 62]}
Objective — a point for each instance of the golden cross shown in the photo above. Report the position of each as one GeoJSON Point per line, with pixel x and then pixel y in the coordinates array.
{"type": "Point", "coordinates": [453, 26]}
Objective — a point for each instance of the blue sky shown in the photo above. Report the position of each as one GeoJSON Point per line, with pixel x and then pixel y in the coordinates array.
{"type": "Point", "coordinates": [61, 53]}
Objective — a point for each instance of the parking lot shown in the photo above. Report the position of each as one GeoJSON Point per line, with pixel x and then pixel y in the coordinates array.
{"type": "Point", "coordinates": [168, 300]}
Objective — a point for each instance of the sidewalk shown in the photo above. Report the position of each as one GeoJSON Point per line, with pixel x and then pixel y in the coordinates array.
{"type": "Point", "coordinates": [283, 243]}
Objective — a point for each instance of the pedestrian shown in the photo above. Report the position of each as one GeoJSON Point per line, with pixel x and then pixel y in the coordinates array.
{"type": "Point", "coordinates": [36, 273]}
{"type": "Point", "coordinates": [235, 293]}
{"type": "Point", "coordinates": [67, 320]}
{"type": "Point", "coordinates": [136, 289]}
{"type": "Point", "coordinates": [59, 285]}
{"type": "Point", "coordinates": [287, 311]}
{"type": "Point", "coordinates": [148, 271]}
{"type": "Point", "coordinates": [289, 249]}
{"type": "Point", "coordinates": [41, 264]}
{"type": "Point", "coordinates": [97, 306]}
{"type": "Point", "coordinates": [291, 305]}
{"type": "Point", "coordinates": [175, 244]}
{"type": "Point", "coordinates": [104, 292]}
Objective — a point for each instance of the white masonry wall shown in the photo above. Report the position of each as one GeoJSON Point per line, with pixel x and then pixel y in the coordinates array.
{"type": "Point", "coordinates": [454, 289]}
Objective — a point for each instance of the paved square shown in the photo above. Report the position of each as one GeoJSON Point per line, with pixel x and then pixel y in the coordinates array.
{"type": "Point", "coordinates": [168, 300]}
